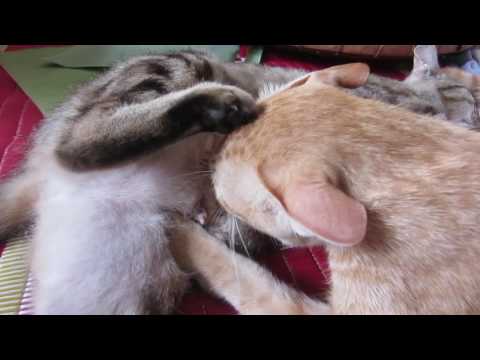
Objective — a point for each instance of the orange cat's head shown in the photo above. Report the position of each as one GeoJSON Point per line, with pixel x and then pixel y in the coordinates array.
{"type": "Point", "coordinates": [267, 177]}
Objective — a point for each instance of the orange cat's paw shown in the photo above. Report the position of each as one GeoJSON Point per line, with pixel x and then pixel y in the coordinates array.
{"type": "Point", "coordinates": [185, 236]}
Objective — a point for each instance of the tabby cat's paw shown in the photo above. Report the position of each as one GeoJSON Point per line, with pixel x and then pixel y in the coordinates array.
{"type": "Point", "coordinates": [212, 108]}
{"type": "Point", "coordinates": [228, 108]}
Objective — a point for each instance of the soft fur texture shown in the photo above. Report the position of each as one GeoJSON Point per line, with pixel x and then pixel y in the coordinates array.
{"type": "Point", "coordinates": [411, 180]}
{"type": "Point", "coordinates": [106, 170]}
{"type": "Point", "coordinates": [446, 93]}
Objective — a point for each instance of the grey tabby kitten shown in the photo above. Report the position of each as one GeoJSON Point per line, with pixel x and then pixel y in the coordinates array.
{"type": "Point", "coordinates": [110, 165]}
{"type": "Point", "coordinates": [430, 90]}
{"type": "Point", "coordinates": [107, 168]}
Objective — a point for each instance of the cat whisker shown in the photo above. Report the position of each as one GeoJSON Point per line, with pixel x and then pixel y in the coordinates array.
{"type": "Point", "coordinates": [200, 172]}
{"type": "Point", "coordinates": [217, 214]}
{"type": "Point", "coordinates": [192, 174]}
{"type": "Point", "coordinates": [299, 240]}
{"type": "Point", "coordinates": [232, 246]}
{"type": "Point", "coordinates": [240, 237]}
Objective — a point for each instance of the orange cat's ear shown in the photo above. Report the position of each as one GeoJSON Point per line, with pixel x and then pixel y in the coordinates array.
{"type": "Point", "coordinates": [347, 76]}
{"type": "Point", "coordinates": [327, 212]}
{"type": "Point", "coordinates": [318, 207]}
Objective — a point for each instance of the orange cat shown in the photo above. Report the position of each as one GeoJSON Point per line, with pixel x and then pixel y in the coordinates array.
{"type": "Point", "coordinates": [393, 195]}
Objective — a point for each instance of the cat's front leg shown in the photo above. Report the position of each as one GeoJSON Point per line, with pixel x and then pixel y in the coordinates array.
{"type": "Point", "coordinates": [251, 289]}
{"type": "Point", "coordinates": [111, 132]}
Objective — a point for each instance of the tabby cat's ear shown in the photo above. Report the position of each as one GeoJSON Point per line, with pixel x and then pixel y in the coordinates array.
{"type": "Point", "coordinates": [348, 76]}
{"type": "Point", "coordinates": [425, 58]}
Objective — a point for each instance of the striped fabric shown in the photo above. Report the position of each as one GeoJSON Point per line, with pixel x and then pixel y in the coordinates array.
{"type": "Point", "coordinates": [14, 282]}
{"type": "Point", "coordinates": [18, 118]}
{"type": "Point", "coordinates": [26, 305]}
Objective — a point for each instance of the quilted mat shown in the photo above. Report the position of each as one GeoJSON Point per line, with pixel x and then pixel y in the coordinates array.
{"type": "Point", "coordinates": [305, 269]}
{"type": "Point", "coordinates": [18, 119]}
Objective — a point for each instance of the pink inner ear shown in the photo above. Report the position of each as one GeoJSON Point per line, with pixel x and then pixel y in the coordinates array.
{"type": "Point", "coordinates": [327, 212]}
{"type": "Point", "coordinates": [350, 75]}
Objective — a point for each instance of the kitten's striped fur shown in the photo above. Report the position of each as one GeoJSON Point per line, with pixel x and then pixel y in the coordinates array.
{"type": "Point", "coordinates": [114, 159]}
{"type": "Point", "coordinates": [107, 167]}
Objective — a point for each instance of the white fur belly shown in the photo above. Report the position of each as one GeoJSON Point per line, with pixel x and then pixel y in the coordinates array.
{"type": "Point", "coordinates": [97, 229]}
{"type": "Point", "coordinates": [86, 244]}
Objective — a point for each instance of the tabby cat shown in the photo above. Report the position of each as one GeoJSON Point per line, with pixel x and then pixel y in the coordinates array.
{"type": "Point", "coordinates": [447, 93]}
{"type": "Point", "coordinates": [105, 169]}
{"type": "Point", "coordinates": [108, 166]}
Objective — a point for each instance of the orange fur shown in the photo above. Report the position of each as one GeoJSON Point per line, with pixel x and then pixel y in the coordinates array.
{"type": "Point", "coordinates": [418, 179]}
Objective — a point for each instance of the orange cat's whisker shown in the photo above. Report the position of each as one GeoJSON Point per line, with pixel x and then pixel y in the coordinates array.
{"type": "Point", "coordinates": [241, 238]}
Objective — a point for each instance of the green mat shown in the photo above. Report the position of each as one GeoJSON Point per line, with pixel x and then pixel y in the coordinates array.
{"type": "Point", "coordinates": [48, 75]}
{"type": "Point", "coordinates": [46, 85]}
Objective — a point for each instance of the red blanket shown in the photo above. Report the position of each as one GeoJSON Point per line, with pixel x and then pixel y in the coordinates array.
{"type": "Point", "coordinates": [305, 269]}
